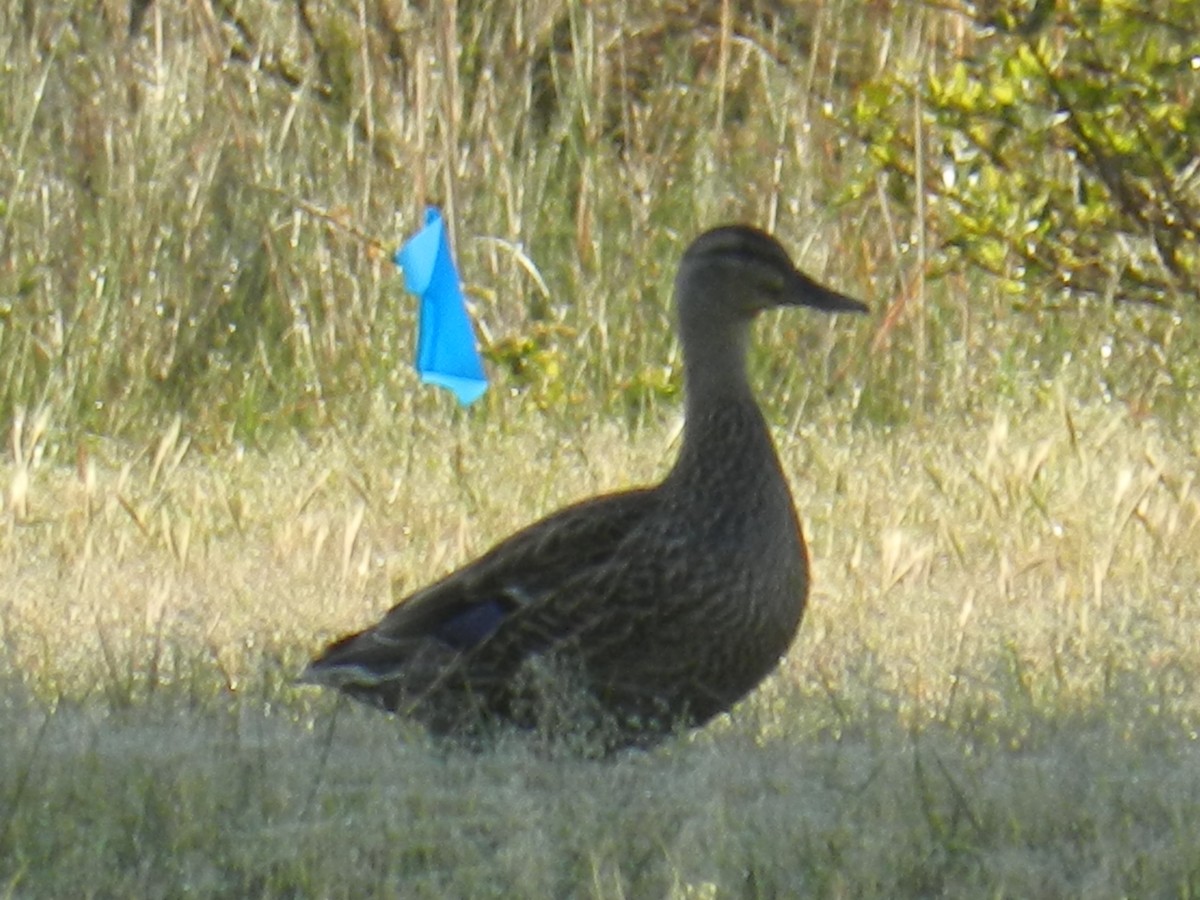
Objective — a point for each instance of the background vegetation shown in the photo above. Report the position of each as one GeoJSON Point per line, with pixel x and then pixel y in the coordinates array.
{"type": "Point", "coordinates": [218, 454]}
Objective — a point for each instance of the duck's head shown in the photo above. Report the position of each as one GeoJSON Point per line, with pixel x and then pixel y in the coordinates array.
{"type": "Point", "coordinates": [734, 272]}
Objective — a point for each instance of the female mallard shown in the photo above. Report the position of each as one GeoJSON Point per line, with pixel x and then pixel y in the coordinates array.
{"type": "Point", "coordinates": [627, 616]}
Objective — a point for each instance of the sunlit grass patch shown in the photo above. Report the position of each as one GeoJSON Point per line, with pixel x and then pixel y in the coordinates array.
{"type": "Point", "coordinates": [990, 690]}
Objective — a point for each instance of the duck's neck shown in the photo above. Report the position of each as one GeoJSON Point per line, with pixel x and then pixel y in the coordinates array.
{"type": "Point", "coordinates": [714, 371]}
{"type": "Point", "coordinates": [723, 426]}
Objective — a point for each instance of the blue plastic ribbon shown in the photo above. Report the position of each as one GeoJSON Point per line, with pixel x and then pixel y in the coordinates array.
{"type": "Point", "coordinates": [447, 353]}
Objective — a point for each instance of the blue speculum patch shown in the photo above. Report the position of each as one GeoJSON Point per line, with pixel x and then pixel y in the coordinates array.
{"type": "Point", "coordinates": [473, 625]}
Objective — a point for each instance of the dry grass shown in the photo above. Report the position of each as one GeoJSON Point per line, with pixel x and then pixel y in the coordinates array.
{"type": "Point", "coordinates": [218, 458]}
{"type": "Point", "coordinates": [992, 694]}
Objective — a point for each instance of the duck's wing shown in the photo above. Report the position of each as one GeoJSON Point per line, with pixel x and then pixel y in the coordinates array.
{"type": "Point", "coordinates": [423, 637]}
{"type": "Point", "coordinates": [610, 618]}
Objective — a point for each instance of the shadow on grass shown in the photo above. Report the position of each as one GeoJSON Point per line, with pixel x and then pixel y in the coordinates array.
{"type": "Point", "coordinates": [287, 794]}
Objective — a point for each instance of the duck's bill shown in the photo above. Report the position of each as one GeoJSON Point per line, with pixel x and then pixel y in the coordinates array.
{"type": "Point", "coordinates": [832, 301]}
{"type": "Point", "coordinates": [817, 296]}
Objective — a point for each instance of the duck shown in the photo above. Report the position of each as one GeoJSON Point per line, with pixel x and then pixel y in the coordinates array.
{"type": "Point", "coordinates": [628, 617]}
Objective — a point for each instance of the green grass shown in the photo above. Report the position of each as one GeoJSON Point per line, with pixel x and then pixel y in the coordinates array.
{"type": "Point", "coordinates": [218, 458]}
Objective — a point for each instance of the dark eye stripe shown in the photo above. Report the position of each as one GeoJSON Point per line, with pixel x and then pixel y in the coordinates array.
{"type": "Point", "coordinates": [744, 245]}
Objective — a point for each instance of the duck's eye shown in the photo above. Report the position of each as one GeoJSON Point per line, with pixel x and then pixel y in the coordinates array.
{"type": "Point", "coordinates": [771, 281]}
